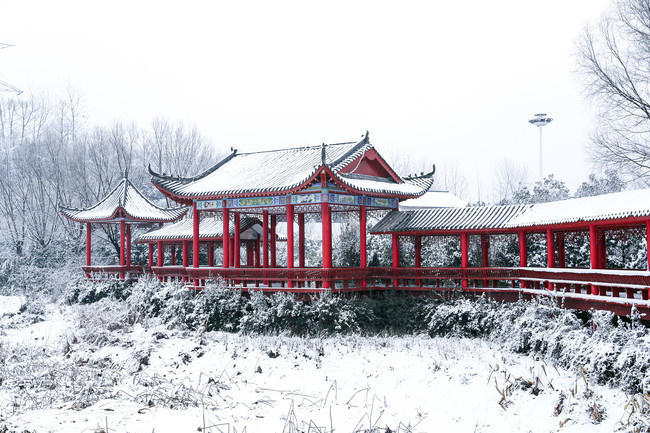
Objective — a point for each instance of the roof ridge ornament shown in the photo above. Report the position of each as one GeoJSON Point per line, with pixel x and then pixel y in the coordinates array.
{"type": "Point", "coordinates": [366, 137]}
{"type": "Point", "coordinates": [322, 154]}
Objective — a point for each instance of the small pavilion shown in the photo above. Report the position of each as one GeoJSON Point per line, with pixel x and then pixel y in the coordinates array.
{"type": "Point", "coordinates": [127, 206]}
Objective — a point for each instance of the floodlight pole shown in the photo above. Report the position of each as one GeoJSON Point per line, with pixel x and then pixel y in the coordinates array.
{"type": "Point", "coordinates": [540, 120]}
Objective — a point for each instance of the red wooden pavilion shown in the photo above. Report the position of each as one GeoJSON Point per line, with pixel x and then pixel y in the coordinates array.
{"type": "Point", "coordinates": [126, 206]}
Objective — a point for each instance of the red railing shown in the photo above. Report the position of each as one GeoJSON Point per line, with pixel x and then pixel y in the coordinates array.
{"type": "Point", "coordinates": [115, 271]}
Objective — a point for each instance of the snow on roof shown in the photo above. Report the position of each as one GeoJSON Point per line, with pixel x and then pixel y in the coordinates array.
{"type": "Point", "coordinates": [127, 198]}
{"type": "Point", "coordinates": [208, 228]}
{"type": "Point", "coordinates": [635, 203]}
{"type": "Point", "coordinates": [597, 208]}
{"type": "Point", "coordinates": [433, 199]}
{"type": "Point", "coordinates": [284, 170]}
{"type": "Point", "coordinates": [450, 218]}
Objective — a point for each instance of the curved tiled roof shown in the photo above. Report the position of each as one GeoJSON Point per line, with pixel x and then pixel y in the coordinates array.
{"type": "Point", "coordinates": [612, 206]}
{"type": "Point", "coordinates": [635, 203]}
{"type": "Point", "coordinates": [285, 170]}
{"type": "Point", "coordinates": [450, 218]}
{"type": "Point", "coordinates": [126, 198]}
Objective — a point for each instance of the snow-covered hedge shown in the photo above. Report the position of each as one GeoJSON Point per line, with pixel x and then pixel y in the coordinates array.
{"type": "Point", "coordinates": [615, 350]}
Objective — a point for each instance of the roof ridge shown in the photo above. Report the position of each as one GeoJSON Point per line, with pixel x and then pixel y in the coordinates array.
{"type": "Point", "coordinates": [298, 148]}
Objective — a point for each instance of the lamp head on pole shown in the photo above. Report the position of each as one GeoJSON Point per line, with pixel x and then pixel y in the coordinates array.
{"type": "Point", "coordinates": [540, 120]}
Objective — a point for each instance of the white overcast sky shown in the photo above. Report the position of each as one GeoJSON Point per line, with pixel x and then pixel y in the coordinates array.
{"type": "Point", "coordinates": [450, 82]}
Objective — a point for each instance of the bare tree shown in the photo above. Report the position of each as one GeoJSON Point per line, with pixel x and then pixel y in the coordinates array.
{"type": "Point", "coordinates": [450, 178]}
{"type": "Point", "coordinates": [613, 59]}
{"type": "Point", "coordinates": [510, 177]}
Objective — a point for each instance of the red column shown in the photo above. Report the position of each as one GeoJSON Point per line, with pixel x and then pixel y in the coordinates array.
{"type": "Point", "coordinates": [249, 254]}
{"type": "Point", "coordinates": [122, 242]}
{"type": "Point", "coordinates": [602, 251]}
{"type": "Point", "coordinates": [237, 243]}
{"type": "Point", "coordinates": [485, 254]}
{"type": "Point", "coordinates": [151, 254]}
{"type": "Point", "coordinates": [161, 253]}
{"type": "Point", "coordinates": [196, 219]}
{"type": "Point", "coordinates": [290, 241]}
{"type": "Point", "coordinates": [561, 251]}
{"type": "Point", "coordinates": [464, 254]}
{"type": "Point", "coordinates": [274, 223]}
{"type": "Point", "coordinates": [418, 257]}
{"type": "Point", "coordinates": [326, 227]}
{"type": "Point", "coordinates": [363, 235]}
{"type": "Point", "coordinates": [647, 238]}
{"type": "Point", "coordinates": [231, 252]}
{"type": "Point", "coordinates": [186, 254]}
{"type": "Point", "coordinates": [210, 245]}
{"type": "Point", "coordinates": [593, 253]}
{"type": "Point", "coordinates": [395, 250]}
{"type": "Point", "coordinates": [265, 239]}
{"type": "Point", "coordinates": [523, 254]}
{"type": "Point", "coordinates": [301, 240]}
{"type": "Point", "coordinates": [173, 258]}
{"type": "Point", "coordinates": [225, 239]}
{"type": "Point", "coordinates": [257, 253]}
{"type": "Point", "coordinates": [550, 253]}
{"type": "Point", "coordinates": [128, 245]}
{"type": "Point", "coordinates": [88, 243]}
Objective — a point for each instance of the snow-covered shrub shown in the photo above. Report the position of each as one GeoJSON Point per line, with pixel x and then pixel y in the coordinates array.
{"type": "Point", "coordinates": [462, 318]}
{"type": "Point", "coordinates": [395, 313]}
{"type": "Point", "coordinates": [87, 292]}
{"type": "Point", "coordinates": [216, 308]}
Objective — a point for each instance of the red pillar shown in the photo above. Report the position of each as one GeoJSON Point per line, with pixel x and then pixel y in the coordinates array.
{"type": "Point", "coordinates": [88, 243]}
{"type": "Point", "coordinates": [485, 255]}
{"type": "Point", "coordinates": [289, 241]}
{"type": "Point", "coordinates": [231, 252]}
{"type": "Point", "coordinates": [593, 253]}
{"type": "Point", "coordinates": [237, 242]}
{"type": "Point", "coordinates": [257, 253]}
{"type": "Point", "coordinates": [274, 223]}
{"type": "Point", "coordinates": [196, 219]}
{"type": "Point", "coordinates": [550, 253]}
{"type": "Point", "coordinates": [128, 245]}
{"type": "Point", "coordinates": [161, 253]}
{"type": "Point", "coordinates": [523, 254]}
{"type": "Point", "coordinates": [464, 254]}
{"type": "Point", "coordinates": [122, 243]}
{"type": "Point", "coordinates": [561, 251]}
{"type": "Point", "coordinates": [249, 254]}
{"type": "Point", "coordinates": [210, 245]}
{"type": "Point", "coordinates": [602, 251]}
{"type": "Point", "coordinates": [363, 235]}
{"type": "Point", "coordinates": [265, 239]}
{"type": "Point", "coordinates": [226, 236]}
{"type": "Point", "coordinates": [151, 254]}
{"type": "Point", "coordinates": [647, 238]}
{"type": "Point", "coordinates": [326, 226]}
{"type": "Point", "coordinates": [418, 257]}
{"type": "Point", "coordinates": [173, 258]}
{"type": "Point", "coordinates": [186, 254]}
{"type": "Point", "coordinates": [395, 250]}
{"type": "Point", "coordinates": [301, 240]}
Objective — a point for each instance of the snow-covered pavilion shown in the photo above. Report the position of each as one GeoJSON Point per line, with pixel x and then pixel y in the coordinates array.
{"type": "Point", "coordinates": [127, 206]}
{"type": "Point", "coordinates": [288, 185]}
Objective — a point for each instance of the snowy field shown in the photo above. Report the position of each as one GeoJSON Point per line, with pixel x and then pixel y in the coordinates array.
{"type": "Point", "coordinates": [77, 369]}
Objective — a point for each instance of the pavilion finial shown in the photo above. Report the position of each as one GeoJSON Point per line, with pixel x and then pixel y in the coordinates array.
{"type": "Point", "coordinates": [322, 153]}
{"type": "Point", "coordinates": [366, 137]}
{"type": "Point", "coordinates": [126, 173]}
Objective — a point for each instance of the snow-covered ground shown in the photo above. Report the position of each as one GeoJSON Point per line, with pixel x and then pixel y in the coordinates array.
{"type": "Point", "coordinates": [91, 369]}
